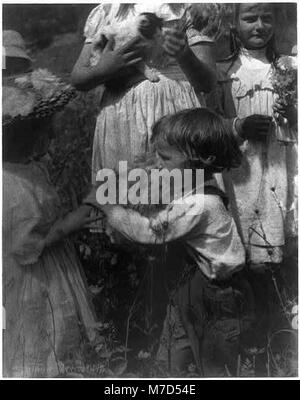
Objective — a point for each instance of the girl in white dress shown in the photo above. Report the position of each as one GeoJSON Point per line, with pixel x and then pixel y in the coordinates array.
{"type": "Point", "coordinates": [259, 189]}
{"type": "Point", "coordinates": [123, 128]}
{"type": "Point", "coordinates": [245, 93]}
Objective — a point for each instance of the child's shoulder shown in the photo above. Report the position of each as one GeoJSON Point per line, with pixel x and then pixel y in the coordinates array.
{"type": "Point", "coordinates": [226, 67]}
{"type": "Point", "coordinates": [98, 18]}
{"type": "Point", "coordinates": [24, 182]}
{"type": "Point", "coordinates": [215, 200]}
{"type": "Point", "coordinates": [202, 202]}
{"type": "Point", "coordinates": [17, 188]}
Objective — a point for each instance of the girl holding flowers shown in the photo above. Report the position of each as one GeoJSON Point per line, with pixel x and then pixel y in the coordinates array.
{"type": "Point", "coordinates": [259, 189]}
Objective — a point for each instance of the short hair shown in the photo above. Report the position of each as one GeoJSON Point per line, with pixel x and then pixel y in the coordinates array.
{"type": "Point", "coordinates": [202, 136]}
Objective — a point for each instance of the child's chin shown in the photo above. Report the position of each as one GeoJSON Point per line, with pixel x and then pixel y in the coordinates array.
{"type": "Point", "coordinates": [257, 44]}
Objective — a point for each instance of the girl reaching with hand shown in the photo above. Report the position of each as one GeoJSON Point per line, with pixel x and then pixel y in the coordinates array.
{"type": "Point", "coordinates": [211, 304]}
{"type": "Point", "coordinates": [48, 313]}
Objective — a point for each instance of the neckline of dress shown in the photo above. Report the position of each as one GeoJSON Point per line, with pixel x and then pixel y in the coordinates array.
{"type": "Point", "coordinates": [258, 54]}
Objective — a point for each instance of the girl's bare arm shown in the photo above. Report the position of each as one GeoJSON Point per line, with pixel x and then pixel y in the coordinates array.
{"type": "Point", "coordinates": [72, 222]}
{"type": "Point", "coordinates": [112, 63]}
{"type": "Point", "coordinates": [197, 61]}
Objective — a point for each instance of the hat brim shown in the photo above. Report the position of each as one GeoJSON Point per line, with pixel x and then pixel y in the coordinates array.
{"type": "Point", "coordinates": [13, 51]}
{"type": "Point", "coordinates": [36, 95]}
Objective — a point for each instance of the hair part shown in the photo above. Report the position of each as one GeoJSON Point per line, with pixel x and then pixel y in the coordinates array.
{"type": "Point", "coordinates": [202, 137]}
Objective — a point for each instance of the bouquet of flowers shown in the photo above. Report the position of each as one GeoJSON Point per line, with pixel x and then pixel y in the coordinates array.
{"type": "Point", "coordinates": [284, 82]}
{"type": "Point", "coordinates": [284, 79]}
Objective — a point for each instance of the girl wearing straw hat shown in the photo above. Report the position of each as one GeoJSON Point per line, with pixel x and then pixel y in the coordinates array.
{"type": "Point", "coordinates": [48, 315]}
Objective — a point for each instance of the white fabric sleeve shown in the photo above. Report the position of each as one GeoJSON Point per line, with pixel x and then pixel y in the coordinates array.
{"type": "Point", "coordinates": [170, 224]}
{"type": "Point", "coordinates": [94, 23]}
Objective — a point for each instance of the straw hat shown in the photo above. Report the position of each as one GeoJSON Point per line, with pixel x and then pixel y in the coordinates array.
{"type": "Point", "coordinates": [35, 95]}
{"type": "Point", "coordinates": [14, 45]}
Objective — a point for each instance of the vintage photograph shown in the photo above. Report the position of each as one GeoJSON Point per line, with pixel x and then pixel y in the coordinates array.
{"type": "Point", "coordinates": [150, 197]}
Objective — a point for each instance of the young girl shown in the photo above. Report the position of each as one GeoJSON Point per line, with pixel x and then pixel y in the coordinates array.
{"type": "Point", "coordinates": [47, 313]}
{"type": "Point", "coordinates": [211, 302]}
{"type": "Point", "coordinates": [259, 188]}
{"type": "Point", "coordinates": [123, 127]}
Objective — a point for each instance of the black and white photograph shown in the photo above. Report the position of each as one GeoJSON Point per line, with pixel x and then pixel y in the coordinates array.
{"type": "Point", "coordinates": [149, 191]}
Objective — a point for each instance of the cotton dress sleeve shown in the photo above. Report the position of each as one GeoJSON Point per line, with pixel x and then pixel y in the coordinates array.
{"type": "Point", "coordinates": [175, 221]}
{"type": "Point", "coordinates": [97, 19]}
{"type": "Point", "coordinates": [195, 37]}
{"type": "Point", "coordinates": [26, 222]}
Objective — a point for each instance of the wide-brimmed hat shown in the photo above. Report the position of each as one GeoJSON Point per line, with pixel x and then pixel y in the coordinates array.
{"type": "Point", "coordinates": [35, 95]}
{"type": "Point", "coordinates": [14, 45]}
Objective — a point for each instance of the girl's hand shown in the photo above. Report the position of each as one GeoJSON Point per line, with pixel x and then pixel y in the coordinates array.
{"type": "Point", "coordinates": [286, 111]}
{"type": "Point", "coordinates": [255, 127]}
{"type": "Point", "coordinates": [175, 43]}
{"type": "Point", "coordinates": [113, 62]}
{"type": "Point", "coordinates": [77, 219]}
{"type": "Point", "coordinates": [74, 221]}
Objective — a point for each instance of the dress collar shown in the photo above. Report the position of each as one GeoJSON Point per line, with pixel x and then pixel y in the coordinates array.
{"type": "Point", "coordinates": [259, 54]}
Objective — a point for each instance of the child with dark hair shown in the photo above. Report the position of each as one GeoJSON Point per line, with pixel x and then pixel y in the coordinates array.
{"type": "Point", "coordinates": [210, 301]}
{"type": "Point", "coordinates": [259, 190]}
{"type": "Point", "coordinates": [200, 135]}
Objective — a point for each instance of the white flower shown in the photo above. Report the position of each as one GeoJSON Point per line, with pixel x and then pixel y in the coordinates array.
{"type": "Point", "coordinates": [287, 62]}
{"type": "Point", "coordinates": [143, 355]}
{"type": "Point", "coordinates": [294, 310]}
{"type": "Point", "coordinates": [295, 322]}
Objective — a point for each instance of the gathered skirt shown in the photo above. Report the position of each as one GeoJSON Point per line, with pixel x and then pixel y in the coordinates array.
{"type": "Point", "coordinates": [123, 127]}
{"type": "Point", "coordinates": [48, 314]}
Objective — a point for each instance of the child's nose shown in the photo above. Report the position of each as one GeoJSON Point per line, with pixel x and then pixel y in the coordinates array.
{"type": "Point", "coordinates": [158, 164]}
{"type": "Point", "coordinates": [260, 24]}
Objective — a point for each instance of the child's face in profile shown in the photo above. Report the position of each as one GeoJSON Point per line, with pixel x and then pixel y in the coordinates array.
{"type": "Point", "coordinates": [169, 157]}
{"type": "Point", "coordinates": [255, 24]}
